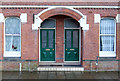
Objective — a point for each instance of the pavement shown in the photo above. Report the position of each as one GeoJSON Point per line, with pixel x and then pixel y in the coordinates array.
{"type": "Point", "coordinates": [59, 75]}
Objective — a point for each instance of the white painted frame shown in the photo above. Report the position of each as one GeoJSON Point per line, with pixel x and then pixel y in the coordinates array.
{"type": "Point", "coordinates": [40, 42]}
{"type": "Point", "coordinates": [108, 53]}
{"type": "Point", "coordinates": [79, 43]}
{"type": "Point", "coordinates": [11, 53]}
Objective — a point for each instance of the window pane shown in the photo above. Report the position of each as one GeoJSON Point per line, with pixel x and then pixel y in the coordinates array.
{"type": "Point", "coordinates": [75, 39]}
{"type": "Point", "coordinates": [44, 38]}
{"type": "Point", "coordinates": [50, 39]}
{"type": "Point", "coordinates": [71, 23]}
{"type": "Point", "coordinates": [107, 43]}
{"type": "Point", "coordinates": [48, 23]}
{"type": "Point", "coordinates": [107, 26]}
{"type": "Point", "coordinates": [12, 43]}
{"type": "Point", "coordinates": [68, 39]}
{"type": "Point", "coordinates": [12, 26]}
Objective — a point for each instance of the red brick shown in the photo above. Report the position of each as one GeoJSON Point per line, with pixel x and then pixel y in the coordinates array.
{"type": "Point", "coordinates": [89, 39]}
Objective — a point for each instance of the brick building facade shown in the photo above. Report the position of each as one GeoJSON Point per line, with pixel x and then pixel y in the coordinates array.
{"type": "Point", "coordinates": [79, 33]}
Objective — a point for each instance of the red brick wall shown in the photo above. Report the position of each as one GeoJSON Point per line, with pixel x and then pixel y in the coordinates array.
{"type": "Point", "coordinates": [1, 38]}
{"type": "Point", "coordinates": [118, 39]}
{"type": "Point", "coordinates": [1, 41]}
{"type": "Point", "coordinates": [1, 32]}
{"type": "Point", "coordinates": [59, 38]}
{"type": "Point", "coordinates": [90, 38]}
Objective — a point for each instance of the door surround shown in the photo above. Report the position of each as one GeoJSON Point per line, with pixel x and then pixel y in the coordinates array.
{"type": "Point", "coordinates": [79, 29]}
{"type": "Point", "coordinates": [45, 14]}
{"type": "Point", "coordinates": [40, 42]}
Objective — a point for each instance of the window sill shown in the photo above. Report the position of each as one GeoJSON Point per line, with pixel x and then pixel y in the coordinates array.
{"type": "Point", "coordinates": [12, 54]}
{"type": "Point", "coordinates": [107, 54]}
{"type": "Point", "coordinates": [107, 59]}
{"type": "Point", "coordinates": [12, 58]}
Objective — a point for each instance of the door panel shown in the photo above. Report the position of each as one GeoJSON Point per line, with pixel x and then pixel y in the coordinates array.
{"type": "Point", "coordinates": [71, 45]}
{"type": "Point", "coordinates": [47, 44]}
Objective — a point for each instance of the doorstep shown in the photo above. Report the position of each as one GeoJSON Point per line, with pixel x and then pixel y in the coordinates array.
{"type": "Point", "coordinates": [59, 68]}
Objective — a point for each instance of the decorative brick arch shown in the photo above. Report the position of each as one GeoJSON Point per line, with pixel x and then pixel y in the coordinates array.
{"type": "Point", "coordinates": [60, 11]}
{"type": "Point", "coordinates": [52, 11]}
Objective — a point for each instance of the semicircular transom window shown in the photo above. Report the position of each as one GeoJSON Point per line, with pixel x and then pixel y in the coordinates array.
{"type": "Point", "coordinates": [48, 23]}
{"type": "Point", "coordinates": [71, 23]}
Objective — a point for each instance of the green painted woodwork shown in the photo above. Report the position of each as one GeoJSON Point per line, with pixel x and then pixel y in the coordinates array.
{"type": "Point", "coordinates": [47, 44]}
{"type": "Point", "coordinates": [71, 45]}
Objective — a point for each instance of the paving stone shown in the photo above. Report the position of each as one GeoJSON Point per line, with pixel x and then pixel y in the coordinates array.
{"type": "Point", "coordinates": [43, 75]}
{"type": "Point", "coordinates": [60, 75]}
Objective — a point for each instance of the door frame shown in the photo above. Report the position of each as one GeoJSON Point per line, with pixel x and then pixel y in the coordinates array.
{"type": "Point", "coordinates": [79, 44]}
{"type": "Point", "coordinates": [40, 42]}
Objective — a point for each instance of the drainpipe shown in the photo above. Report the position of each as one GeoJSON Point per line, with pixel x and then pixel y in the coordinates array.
{"type": "Point", "coordinates": [97, 63]}
{"type": "Point", "coordinates": [20, 68]}
{"type": "Point", "coordinates": [29, 65]}
{"type": "Point", "coordinates": [90, 65]}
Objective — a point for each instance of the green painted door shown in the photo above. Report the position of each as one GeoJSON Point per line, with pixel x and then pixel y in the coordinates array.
{"type": "Point", "coordinates": [71, 45]}
{"type": "Point", "coordinates": [47, 44]}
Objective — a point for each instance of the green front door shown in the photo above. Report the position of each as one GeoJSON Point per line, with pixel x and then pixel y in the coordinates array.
{"type": "Point", "coordinates": [47, 44]}
{"type": "Point", "coordinates": [71, 45]}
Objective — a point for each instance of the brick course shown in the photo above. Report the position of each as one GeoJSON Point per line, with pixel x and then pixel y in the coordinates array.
{"type": "Point", "coordinates": [64, 3]}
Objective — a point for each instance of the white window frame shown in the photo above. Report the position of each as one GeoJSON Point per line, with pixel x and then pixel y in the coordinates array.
{"type": "Point", "coordinates": [108, 53]}
{"type": "Point", "coordinates": [11, 53]}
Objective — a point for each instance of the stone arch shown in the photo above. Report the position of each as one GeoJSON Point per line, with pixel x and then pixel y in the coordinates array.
{"type": "Point", "coordinates": [75, 14]}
